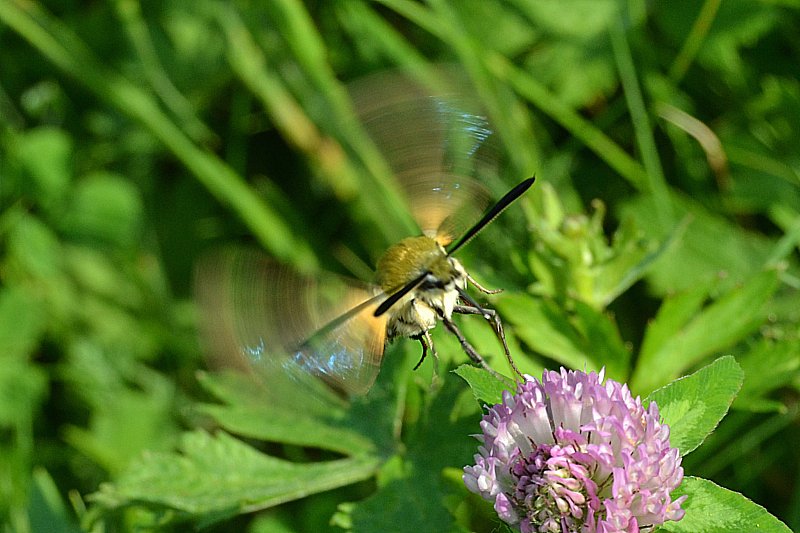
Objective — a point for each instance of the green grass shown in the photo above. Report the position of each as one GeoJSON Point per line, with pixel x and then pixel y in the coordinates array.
{"type": "Point", "coordinates": [662, 233]}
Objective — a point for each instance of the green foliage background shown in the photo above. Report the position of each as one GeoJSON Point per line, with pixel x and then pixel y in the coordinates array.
{"type": "Point", "coordinates": [662, 232]}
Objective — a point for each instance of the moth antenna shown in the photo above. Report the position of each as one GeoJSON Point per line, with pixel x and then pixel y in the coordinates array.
{"type": "Point", "coordinates": [492, 213]}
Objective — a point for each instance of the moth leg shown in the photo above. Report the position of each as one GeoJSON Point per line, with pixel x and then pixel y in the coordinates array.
{"type": "Point", "coordinates": [481, 287]}
{"type": "Point", "coordinates": [427, 343]}
{"type": "Point", "coordinates": [494, 320]}
{"type": "Point", "coordinates": [468, 348]}
{"type": "Point", "coordinates": [424, 344]}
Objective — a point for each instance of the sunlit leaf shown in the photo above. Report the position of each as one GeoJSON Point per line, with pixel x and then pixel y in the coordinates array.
{"type": "Point", "coordinates": [714, 509]}
{"type": "Point", "coordinates": [693, 406]}
{"type": "Point", "coordinates": [215, 475]}
{"type": "Point", "coordinates": [45, 154]}
{"type": "Point", "coordinates": [104, 208]}
{"type": "Point", "coordinates": [486, 388]}
{"type": "Point", "coordinates": [768, 365]}
{"type": "Point", "coordinates": [685, 338]}
{"type": "Point", "coordinates": [585, 337]}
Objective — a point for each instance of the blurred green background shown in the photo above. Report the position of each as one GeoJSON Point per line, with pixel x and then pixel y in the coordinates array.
{"type": "Point", "coordinates": [663, 229]}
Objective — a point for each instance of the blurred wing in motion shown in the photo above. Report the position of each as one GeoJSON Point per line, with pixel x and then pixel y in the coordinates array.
{"type": "Point", "coordinates": [261, 316]}
{"type": "Point", "coordinates": [437, 143]}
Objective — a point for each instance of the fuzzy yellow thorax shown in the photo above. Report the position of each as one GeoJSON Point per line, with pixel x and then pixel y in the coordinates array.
{"type": "Point", "coordinates": [408, 259]}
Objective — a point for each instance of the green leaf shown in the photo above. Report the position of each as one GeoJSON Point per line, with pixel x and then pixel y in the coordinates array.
{"type": "Point", "coordinates": [125, 419]}
{"type": "Point", "coordinates": [710, 244]}
{"type": "Point", "coordinates": [100, 274]}
{"type": "Point", "coordinates": [23, 387]}
{"type": "Point", "coordinates": [281, 409]}
{"type": "Point", "coordinates": [22, 391]}
{"type": "Point", "coordinates": [543, 326]}
{"type": "Point", "coordinates": [713, 509]}
{"type": "Point", "coordinates": [510, 34]}
{"type": "Point", "coordinates": [289, 427]}
{"type": "Point", "coordinates": [601, 339]}
{"type": "Point", "coordinates": [104, 208]}
{"type": "Point", "coordinates": [217, 475]}
{"type": "Point", "coordinates": [632, 258]}
{"type": "Point", "coordinates": [265, 420]}
{"type": "Point", "coordinates": [587, 339]}
{"type": "Point", "coordinates": [573, 55]}
{"type": "Point", "coordinates": [388, 509]}
{"type": "Point", "coordinates": [485, 387]}
{"type": "Point", "coordinates": [34, 249]}
{"type": "Point", "coordinates": [769, 365]}
{"type": "Point", "coordinates": [736, 25]}
{"type": "Point", "coordinates": [693, 406]}
{"type": "Point", "coordinates": [684, 337]}
{"type": "Point", "coordinates": [22, 323]}
{"type": "Point", "coordinates": [45, 154]}
{"type": "Point", "coordinates": [46, 510]}
{"type": "Point", "coordinates": [674, 313]}
{"type": "Point", "coordinates": [439, 440]}
{"type": "Point", "coordinates": [267, 523]}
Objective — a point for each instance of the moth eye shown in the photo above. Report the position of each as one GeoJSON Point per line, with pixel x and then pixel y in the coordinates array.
{"type": "Point", "coordinates": [431, 282]}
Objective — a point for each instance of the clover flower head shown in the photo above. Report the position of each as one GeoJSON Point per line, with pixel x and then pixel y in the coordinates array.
{"type": "Point", "coordinates": [570, 453]}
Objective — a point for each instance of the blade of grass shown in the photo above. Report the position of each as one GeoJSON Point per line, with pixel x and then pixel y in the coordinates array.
{"type": "Point", "coordinates": [534, 92]}
{"type": "Point", "coordinates": [386, 204]}
{"type": "Point", "coordinates": [62, 47]}
{"type": "Point", "coordinates": [130, 14]}
{"type": "Point", "coordinates": [691, 45]}
{"type": "Point", "coordinates": [508, 118]}
{"type": "Point", "coordinates": [361, 21]}
{"type": "Point", "coordinates": [679, 338]}
{"type": "Point", "coordinates": [249, 63]}
{"type": "Point", "coordinates": [758, 161]}
{"type": "Point", "coordinates": [594, 139]}
{"type": "Point", "coordinates": [748, 442]}
{"type": "Point", "coordinates": [655, 182]}
{"type": "Point", "coordinates": [364, 23]}
{"type": "Point", "coordinates": [705, 137]}
{"type": "Point", "coordinates": [785, 245]}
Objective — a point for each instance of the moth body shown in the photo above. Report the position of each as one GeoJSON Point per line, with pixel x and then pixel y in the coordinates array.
{"type": "Point", "coordinates": [436, 295]}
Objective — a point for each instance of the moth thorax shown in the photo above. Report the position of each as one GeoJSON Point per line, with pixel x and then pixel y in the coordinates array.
{"type": "Point", "coordinates": [408, 259]}
{"type": "Point", "coordinates": [435, 296]}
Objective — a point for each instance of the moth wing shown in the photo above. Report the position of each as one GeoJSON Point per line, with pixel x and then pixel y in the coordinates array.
{"type": "Point", "coordinates": [260, 316]}
{"type": "Point", "coordinates": [438, 143]}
